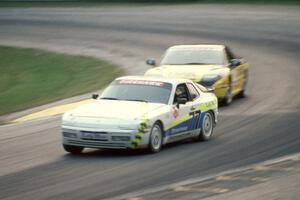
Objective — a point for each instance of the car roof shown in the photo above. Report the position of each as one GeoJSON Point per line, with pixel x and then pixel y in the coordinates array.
{"type": "Point", "coordinates": [214, 46]}
{"type": "Point", "coordinates": [173, 81]}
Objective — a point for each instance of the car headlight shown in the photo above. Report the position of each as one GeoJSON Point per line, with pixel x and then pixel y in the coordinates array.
{"type": "Point", "coordinates": [210, 79]}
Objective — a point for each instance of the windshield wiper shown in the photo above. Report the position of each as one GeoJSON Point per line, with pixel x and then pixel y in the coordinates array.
{"type": "Point", "coordinates": [136, 100]}
{"type": "Point", "coordinates": [110, 98]}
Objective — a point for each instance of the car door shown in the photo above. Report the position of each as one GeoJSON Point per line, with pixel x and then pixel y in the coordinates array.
{"type": "Point", "coordinates": [181, 117]}
{"type": "Point", "coordinates": [194, 107]}
{"type": "Point", "coordinates": [188, 114]}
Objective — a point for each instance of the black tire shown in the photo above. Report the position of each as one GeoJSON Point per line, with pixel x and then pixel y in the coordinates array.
{"type": "Point", "coordinates": [73, 149]}
{"type": "Point", "coordinates": [228, 98]}
{"type": "Point", "coordinates": [243, 93]}
{"type": "Point", "coordinates": [207, 127]}
{"type": "Point", "coordinates": [156, 138]}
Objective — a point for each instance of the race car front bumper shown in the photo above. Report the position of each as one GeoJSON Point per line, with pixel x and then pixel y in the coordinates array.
{"type": "Point", "coordinates": [101, 139]}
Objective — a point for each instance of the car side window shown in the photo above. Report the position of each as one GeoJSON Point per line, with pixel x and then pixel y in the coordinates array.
{"type": "Point", "coordinates": [181, 92]}
{"type": "Point", "coordinates": [193, 91]}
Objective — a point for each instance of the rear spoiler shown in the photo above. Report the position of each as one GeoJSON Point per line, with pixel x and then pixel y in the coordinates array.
{"type": "Point", "coordinates": [209, 89]}
{"type": "Point", "coordinates": [205, 89]}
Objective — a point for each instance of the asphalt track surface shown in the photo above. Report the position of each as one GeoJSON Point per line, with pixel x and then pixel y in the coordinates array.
{"type": "Point", "coordinates": [263, 126]}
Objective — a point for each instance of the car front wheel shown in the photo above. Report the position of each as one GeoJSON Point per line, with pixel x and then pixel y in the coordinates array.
{"type": "Point", "coordinates": [228, 98]}
{"type": "Point", "coordinates": [155, 142]}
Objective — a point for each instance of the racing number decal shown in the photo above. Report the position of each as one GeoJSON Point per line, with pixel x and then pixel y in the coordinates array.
{"type": "Point", "coordinates": [175, 112]}
{"type": "Point", "coordinates": [195, 119]}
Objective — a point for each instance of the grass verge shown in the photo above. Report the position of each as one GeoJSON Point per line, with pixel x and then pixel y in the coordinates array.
{"type": "Point", "coordinates": [31, 77]}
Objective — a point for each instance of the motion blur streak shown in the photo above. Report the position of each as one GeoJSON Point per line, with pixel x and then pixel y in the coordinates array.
{"type": "Point", "coordinates": [265, 125]}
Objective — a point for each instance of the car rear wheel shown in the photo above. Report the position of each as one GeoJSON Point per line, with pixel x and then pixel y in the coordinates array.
{"type": "Point", "coordinates": [155, 142]}
{"type": "Point", "coordinates": [73, 149]}
{"type": "Point", "coordinates": [244, 91]}
{"type": "Point", "coordinates": [207, 127]}
{"type": "Point", "coordinates": [228, 98]}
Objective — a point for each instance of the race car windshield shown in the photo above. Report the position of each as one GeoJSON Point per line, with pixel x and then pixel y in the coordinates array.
{"type": "Point", "coordinates": [191, 56]}
{"type": "Point", "coordinates": [142, 91]}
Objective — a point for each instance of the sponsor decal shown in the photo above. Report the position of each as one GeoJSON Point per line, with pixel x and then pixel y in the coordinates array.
{"type": "Point", "coordinates": [196, 115]}
{"type": "Point", "coordinates": [175, 112]}
{"type": "Point", "coordinates": [210, 103]}
{"type": "Point", "coordinates": [142, 82]}
{"type": "Point", "coordinates": [197, 49]}
{"type": "Point", "coordinates": [177, 130]}
{"type": "Point", "coordinates": [141, 130]}
{"type": "Point", "coordinates": [138, 136]}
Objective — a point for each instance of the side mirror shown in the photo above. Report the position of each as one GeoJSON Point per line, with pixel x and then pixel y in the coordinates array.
{"type": "Point", "coordinates": [181, 101]}
{"type": "Point", "coordinates": [151, 62]}
{"type": "Point", "coordinates": [95, 96]}
{"type": "Point", "coordinates": [235, 62]}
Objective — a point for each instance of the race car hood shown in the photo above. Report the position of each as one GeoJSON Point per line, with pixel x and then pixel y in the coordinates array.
{"type": "Point", "coordinates": [192, 72]}
{"type": "Point", "coordinates": [112, 111]}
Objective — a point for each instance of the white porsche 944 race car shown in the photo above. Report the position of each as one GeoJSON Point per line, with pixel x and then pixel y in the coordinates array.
{"type": "Point", "coordinates": [141, 112]}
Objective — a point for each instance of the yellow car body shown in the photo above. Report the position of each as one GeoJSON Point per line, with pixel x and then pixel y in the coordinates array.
{"type": "Point", "coordinates": [229, 77]}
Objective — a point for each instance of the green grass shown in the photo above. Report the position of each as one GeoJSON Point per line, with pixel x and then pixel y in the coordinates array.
{"type": "Point", "coordinates": [30, 77]}
{"type": "Point", "coordinates": [92, 3]}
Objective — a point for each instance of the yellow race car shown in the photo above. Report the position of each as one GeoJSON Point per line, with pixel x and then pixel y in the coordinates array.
{"type": "Point", "coordinates": [209, 65]}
